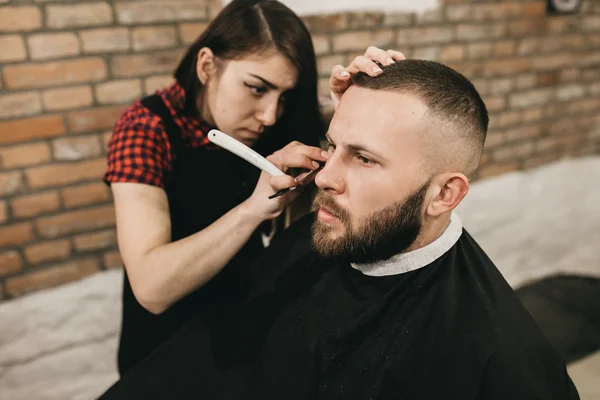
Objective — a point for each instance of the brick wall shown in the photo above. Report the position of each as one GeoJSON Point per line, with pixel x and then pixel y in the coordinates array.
{"type": "Point", "coordinates": [68, 69]}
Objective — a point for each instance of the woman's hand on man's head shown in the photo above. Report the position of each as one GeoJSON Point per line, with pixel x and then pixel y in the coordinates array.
{"type": "Point", "coordinates": [341, 77]}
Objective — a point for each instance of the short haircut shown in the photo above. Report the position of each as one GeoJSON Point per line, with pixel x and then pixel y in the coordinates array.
{"type": "Point", "coordinates": [451, 98]}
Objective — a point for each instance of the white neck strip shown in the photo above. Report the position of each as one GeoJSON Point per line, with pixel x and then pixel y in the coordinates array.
{"type": "Point", "coordinates": [413, 260]}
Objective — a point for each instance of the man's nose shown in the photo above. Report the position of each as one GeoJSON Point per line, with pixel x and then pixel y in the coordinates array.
{"type": "Point", "coordinates": [331, 177]}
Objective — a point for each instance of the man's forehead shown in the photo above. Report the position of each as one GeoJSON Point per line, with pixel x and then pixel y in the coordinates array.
{"type": "Point", "coordinates": [377, 116]}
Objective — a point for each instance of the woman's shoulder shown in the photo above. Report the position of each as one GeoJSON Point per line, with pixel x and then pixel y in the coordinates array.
{"type": "Point", "coordinates": [140, 121]}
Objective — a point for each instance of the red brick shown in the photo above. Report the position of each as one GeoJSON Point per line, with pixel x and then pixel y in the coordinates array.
{"type": "Point", "coordinates": [106, 138]}
{"type": "Point", "coordinates": [431, 53]}
{"type": "Point", "coordinates": [11, 262]}
{"type": "Point", "coordinates": [16, 234]}
{"type": "Point", "coordinates": [12, 48]}
{"type": "Point", "coordinates": [115, 92]}
{"type": "Point", "coordinates": [35, 204]}
{"type": "Point", "coordinates": [568, 43]}
{"type": "Point", "coordinates": [423, 36]}
{"type": "Point", "coordinates": [24, 155]}
{"type": "Point", "coordinates": [427, 17]}
{"type": "Point", "coordinates": [160, 11]}
{"type": "Point", "coordinates": [478, 32]}
{"type": "Point", "coordinates": [91, 193]}
{"type": "Point", "coordinates": [590, 23]}
{"type": "Point", "coordinates": [459, 12]}
{"type": "Point", "coordinates": [320, 44]}
{"type": "Point", "coordinates": [94, 119]}
{"type": "Point", "coordinates": [154, 83]}
{"type": "Point", "coordinates": [506, 66]}
{"type": "Point", "coordinates": [480, 50]}
{"type": "Point", "coordinates": [582, 106]}
{"type": "Point", "coordinates": [497, 103]}
{"type": "Point", "coordinates": [501, 85]}
{"type": "Point", "coordinates": [537, 8]}
{"type": "Point", "coordinates": [505, 48]}
{"type": "Point", "coordinates": [3, 211]}
{"type": "Point", "coordinates": [105, 40]}
{"type": "Point", "coordinates": [505, 119]}
{"type": "Point", "coordinates": [53, 45]}
{"type": "Point", "coordinates": [526, 81]}
{"type": "Point", "coordinates": [359, 40]}
{"type": "Point", "coordinates": [68, 98]}
{"type": "Point", "coordinates": [48, 251]}
{"type": "Point", "coordinates": [497, 169]}
{"type": "Point", "coordinates": [527, 27]}
{"type": "Point", "coordinates": [78, 15]}
{"type": "Point", "coordinates": [113, 260]}
{"type": "Point", "coordinates": [529, 45]}
{"type": "Point", "coordinates": [570, 74]}
{"type": "Point", "coordinates": [156, 37]}
{"type": "Point", "coordinates": [145, 64]}
{"type": "Point", "coordinates": [515, 151]}
{"type": "Point", "coordinates": [524, 132]}
{"type": "Point", "coordinates": [452, 53]}
{"type": "Point", "coordinates": [96, 241]}
{"type": "Point", "coordinates": [539, 160]}
{"type": "Point", "coordinates": [327, 22]}
{"type": "Point", "coordinates": [51, 277]}
{"type": "Point", "coordinates": [398, 19]}
{"type": "Point", "coordinates": [189, 32]}
{"type": "Point", "coordinates": [326, 63]}
{"type": "Point", "coordinates": [494, 139]}
{"type": "Point", "coordinates": [20, 104]}
{"type": "Point", "coordinates": [553, 61]}
{"type": "Point", "coordinates": [76, 221]}
{"type": "Point", "coordinates": [65, 173]}
{"type": "Point", "coordinates": [10, 183]}
{"type": "Point", "coordinates": [54, 73]}
{"type": "Point", "coordinates": [362, 19]}
{"type": "Point", "coordinates": [530, 98]}
{"type": "Point", "coordinates": [533, 114]}
{"type": "Point", "coordinates": [20, 18]}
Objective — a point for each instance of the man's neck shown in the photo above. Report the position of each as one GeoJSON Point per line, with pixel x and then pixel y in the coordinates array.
{"type": "Point", "coordinates": [432, 229]}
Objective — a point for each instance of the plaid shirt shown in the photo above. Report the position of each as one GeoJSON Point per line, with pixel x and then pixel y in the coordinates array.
{"type": "Point", "coordinates": [139, 150]}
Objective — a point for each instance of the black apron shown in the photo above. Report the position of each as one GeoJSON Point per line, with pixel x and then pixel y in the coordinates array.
{"type": "Point", "coordinates": [205, 185]}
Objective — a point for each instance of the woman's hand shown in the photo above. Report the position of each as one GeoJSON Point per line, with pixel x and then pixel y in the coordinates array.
{"type": "Point", "coordinates": [294, 155]}
{"type": "Point", "coordinates": [341, 77]}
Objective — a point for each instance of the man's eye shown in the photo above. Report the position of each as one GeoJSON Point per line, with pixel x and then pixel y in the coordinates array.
{"type": "Point", "coordinates": [258, 90]}
{"type": "Point", "coordinates": [364, 160]}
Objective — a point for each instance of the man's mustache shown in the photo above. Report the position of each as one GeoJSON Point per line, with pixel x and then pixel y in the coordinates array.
{"type": "Point", "coordinates": [325, 201]}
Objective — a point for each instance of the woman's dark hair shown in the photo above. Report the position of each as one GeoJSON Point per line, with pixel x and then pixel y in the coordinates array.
{"type": "Point", "coordinates": [246, 27]}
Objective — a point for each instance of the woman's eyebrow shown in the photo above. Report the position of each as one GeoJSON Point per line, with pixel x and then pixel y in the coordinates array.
{"type": "Point", "coordinates": [266, 82]}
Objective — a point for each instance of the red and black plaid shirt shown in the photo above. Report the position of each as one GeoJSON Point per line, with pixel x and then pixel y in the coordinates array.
{"type": "Point", "coordinates": [139, 150]}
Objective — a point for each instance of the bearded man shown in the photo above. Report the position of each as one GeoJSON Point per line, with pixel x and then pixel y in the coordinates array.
{"type": "Point", "coordinates": [382, 295]}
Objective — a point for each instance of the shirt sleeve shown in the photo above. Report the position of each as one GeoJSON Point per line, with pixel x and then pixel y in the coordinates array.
{"type": "Point", "coordinates": [138, 151]}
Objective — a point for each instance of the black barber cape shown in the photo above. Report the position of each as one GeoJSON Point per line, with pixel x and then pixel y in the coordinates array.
{"type": "Point", "coordinates": [437, 323]}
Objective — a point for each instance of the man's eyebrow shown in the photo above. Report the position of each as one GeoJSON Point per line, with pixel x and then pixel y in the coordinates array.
{"type": "Point", "coordinates": [266, 82]}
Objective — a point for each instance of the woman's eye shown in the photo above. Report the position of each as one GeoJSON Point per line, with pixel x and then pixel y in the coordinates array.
{"type": "Point", "coordinates": [258, 90]}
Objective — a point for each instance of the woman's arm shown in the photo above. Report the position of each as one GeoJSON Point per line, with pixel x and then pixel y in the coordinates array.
{"type": "Point", "coordinates": [162, 272]}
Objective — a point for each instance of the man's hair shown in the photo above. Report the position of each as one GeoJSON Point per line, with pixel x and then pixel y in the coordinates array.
{"type": "Point", "coordinates": [453, 101]}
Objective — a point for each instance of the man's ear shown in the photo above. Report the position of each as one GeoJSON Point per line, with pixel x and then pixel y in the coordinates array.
{"type": "Point", "coordinates": [450, 189]}
{"type": "Point", "coordinates": [206, 67]}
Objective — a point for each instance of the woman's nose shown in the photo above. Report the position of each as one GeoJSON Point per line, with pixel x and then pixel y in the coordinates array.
{"type": "Point", "coordinates": [268, 115]}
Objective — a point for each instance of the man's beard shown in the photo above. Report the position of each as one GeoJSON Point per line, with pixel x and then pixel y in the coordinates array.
{"type": "Point", "coordinates": [379, 236]}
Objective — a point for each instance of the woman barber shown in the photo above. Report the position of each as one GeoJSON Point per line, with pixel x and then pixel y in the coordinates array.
{"type": "Point", "coordinates": [188, 218]}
